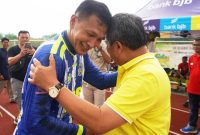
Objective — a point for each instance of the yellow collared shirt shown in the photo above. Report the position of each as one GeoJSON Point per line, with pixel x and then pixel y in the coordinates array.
{"type": "Point", "coordinates": [142, 98]}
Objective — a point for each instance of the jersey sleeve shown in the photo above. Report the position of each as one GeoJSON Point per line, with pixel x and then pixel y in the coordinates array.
{"type": "Point", "coordinates": [97, 78]}
{"type": "Point", "coordinates": [37, 105]}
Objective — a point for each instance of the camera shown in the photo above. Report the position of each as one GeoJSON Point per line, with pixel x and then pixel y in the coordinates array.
{"type": "Point", "coordinates": [28, 45]}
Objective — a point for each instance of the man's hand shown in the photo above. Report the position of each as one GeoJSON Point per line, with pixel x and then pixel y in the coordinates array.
{"type": "Point", "coordinates": [31, 51]}
{"type": "Point", "coordinates": [43, 77]}
{"type": "Point", "coordinates": [23, 52]}
{"type": "Point", "coordinates": [1, 77]}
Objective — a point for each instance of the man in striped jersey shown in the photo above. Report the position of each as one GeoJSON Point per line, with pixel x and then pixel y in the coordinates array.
{"type": "Point", "coordinates": [42, 115]}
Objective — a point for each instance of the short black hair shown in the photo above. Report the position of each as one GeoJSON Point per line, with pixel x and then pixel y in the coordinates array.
{"type": "Point", "coordinates": [185, 57]}
{"type": "Point", "coordinates": [127, 29]}
{"type": "Point", "coordinates": [23, 31]}
{"type": "Point", "coordinates": [91, 7]}
{"type": "Point", "coordinates": [197, 39]}
{"type": "Point", "coordinates": [4, 39]}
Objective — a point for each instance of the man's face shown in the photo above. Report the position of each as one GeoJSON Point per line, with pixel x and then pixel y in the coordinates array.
{"type": "Point", "coordinates": [184, 60]}
{"type": "Point", "coordinates": [5, 44]}
{"type": "Point", "coordinates": [113, 52]}
{"type": "Point", "coordinates": [86, 33]}
{"type": "Point", "coordinates": [23, 38]}
{"type": "Point", "coordinates": [196, 46]}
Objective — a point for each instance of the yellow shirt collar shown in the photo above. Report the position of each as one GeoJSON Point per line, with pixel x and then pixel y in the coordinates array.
{"type": "Point", "coordinates": [137, 60]}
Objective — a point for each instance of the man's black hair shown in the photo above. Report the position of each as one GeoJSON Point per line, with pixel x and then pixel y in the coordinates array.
{"type": "Point", "coordinates": [4, 39]}
{"type": "Point", "coordinates": [23, 31]}
{"type": "Point", "coordinates": [185, 57]}
{"type": "Point", "coordinates": [91, 7]}
{"type": "Point", "coordinates": [127, 29]}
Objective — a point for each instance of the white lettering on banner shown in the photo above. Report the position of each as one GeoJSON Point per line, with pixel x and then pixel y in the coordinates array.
{"type": "Point", "coordinates": [169, 3]}
{"type": "Point", "coordinates": [188, 1]}
{"type": "Point", "coordinates": [152, 28]}
{"type": "Point", "coordinates": [160, 5]}
{"type": "Point", "coordinates": [169, 27]}
{"type": "Point", "coordinates": [181, 2]}
{"type": "Point", "coordinates": [174, 20]}
{"type": "Point", "coordinates": [145, 22]}
{"type": "Point", "coordinates": [175, 27]}
{"type": "Point", "coordinates": [145, 27]}
{"type": "Point", "coordinates": [181, 26]}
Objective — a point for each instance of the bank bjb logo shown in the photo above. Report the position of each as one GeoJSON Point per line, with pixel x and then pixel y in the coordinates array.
{"type": "Point", "coordinates": [181, 2]}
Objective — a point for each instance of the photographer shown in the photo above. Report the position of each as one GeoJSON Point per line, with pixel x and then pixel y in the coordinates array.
{"type": "Point", "coordinates": [19, 57]}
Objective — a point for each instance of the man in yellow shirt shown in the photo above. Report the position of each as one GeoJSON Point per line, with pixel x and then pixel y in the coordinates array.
{"type": "Point", "coordinates": [141, 103]}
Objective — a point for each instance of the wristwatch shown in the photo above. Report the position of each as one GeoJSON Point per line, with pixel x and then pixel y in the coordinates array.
{"type": "Point", "coordinates": [54, 90]}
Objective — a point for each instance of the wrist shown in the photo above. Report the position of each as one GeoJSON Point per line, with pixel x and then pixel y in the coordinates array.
{"type": "Point", "coordinates": [20, 55]}
{"type": "Point", "coordinates": [51, 85]}
{"type": "Point", "coordinates": [55, 90]}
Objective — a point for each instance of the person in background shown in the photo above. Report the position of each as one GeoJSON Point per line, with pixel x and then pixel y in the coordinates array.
{"type": "Point", "coordinates": [140, 104]}
{"type": "Point", "coordinates": [183, 73]}
{"type": "Point", "coordinates": [42, 115]}
{"type": "Point", "coordinates": [193, 88]}
{"type": "Point", "coordinates": [183, 69]}
{"type": "Point", "coordinates": [19, 57]}
{"type": "Point", "coordinates": [101, 59]}
{"type": "Point", "coordinates": [5, 76]}
{"type": "Point", "coordinates": [151, 37]}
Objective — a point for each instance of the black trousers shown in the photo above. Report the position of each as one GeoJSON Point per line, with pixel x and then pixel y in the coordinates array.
{"type": "Point", "coordinates": [194, 101]}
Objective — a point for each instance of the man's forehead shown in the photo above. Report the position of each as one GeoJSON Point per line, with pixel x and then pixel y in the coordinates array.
{"type": "Point", "coordinates": [24, 35]}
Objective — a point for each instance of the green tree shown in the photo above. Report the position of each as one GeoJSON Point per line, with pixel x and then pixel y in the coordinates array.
{"type": "Point", "coordinates": [47, 37]}
{"type": "Point", "coordinates": [1, 35]}
{"type": "Point", "coordinates": [11, 36]}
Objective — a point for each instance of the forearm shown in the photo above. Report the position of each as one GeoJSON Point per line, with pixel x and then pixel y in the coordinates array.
{"type": "Point", "coordinates": [89, 115]}
{"type": "Point", "coordinates": [14, 60]}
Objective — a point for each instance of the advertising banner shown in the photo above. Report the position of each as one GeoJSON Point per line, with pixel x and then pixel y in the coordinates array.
{"type": "Point", "coordinates": [175, 24]}
{"type": "Point", "coordinates": [195, 23]}
{"type": "Point", "coordinates": [157, 9]}
{"type": "Point", "coordinates": [174, 15]}
{"type": "Point", "coordinates": [151, 25]}
{"type": "Point", "coordinates": [170, 54]}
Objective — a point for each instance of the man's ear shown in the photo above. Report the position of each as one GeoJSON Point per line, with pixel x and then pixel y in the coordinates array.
{"type": "Point", "coordinates": [72, 21]}
{"type": "Point", "coordinates": [119, 46]}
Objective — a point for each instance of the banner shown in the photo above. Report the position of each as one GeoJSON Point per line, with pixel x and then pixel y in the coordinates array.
{"type": "Point", "coordinates": [151, 25]}
{"type": "Point", "coordinates": [195, 23]}
{"type": "Point", "coordinates": [157, 9]}
{"type": "Point", "coordinates": [175, 24]}
{"type": "Point", "coordinates": [171, 15]}
{"type": "Point", "coordinates": [170, 54]}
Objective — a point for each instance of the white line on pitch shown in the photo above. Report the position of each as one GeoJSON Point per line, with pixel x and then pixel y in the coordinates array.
{"type": "Point", "coordinates": [7, 112]}
{"type": "Point", "coordinates": [174, 133]}
{"type": "Point", "coordinates": [181, 110]}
